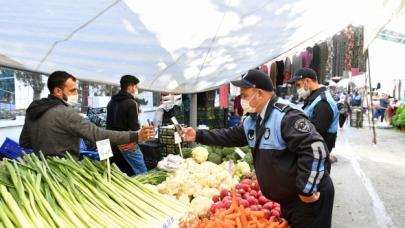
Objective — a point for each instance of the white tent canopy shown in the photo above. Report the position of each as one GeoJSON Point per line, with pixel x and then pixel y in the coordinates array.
{"type": "Point", "coordinates": [178, 45]}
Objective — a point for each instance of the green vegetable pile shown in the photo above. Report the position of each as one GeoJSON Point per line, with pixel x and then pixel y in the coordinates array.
{"type": "Point", "coordinates": [153, 177]}
{"type": "Point", "coordinates": [399, 118]}
{"type": "Point", "coordinates": [62, 192]}
{"type": "Point", "coordinates": [218, 154]}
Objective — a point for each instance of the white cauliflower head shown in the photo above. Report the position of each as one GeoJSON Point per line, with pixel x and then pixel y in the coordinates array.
{"type": "Point", "coordinates": [242, 168]}
{"type": "Point", "coordinates": [200, 154]}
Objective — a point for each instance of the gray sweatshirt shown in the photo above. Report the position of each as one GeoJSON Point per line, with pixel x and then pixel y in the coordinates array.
{"type": "Point", "coordinates": [55, 128]}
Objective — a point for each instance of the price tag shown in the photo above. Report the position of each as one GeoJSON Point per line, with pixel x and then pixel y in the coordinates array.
{"type": "Point", "coordinates": [104, 149]}
{"type": "Point", "coordinates": [240, 152]}
{"type": "Point", "coordinates": [231, 167]}
{"type": "Point", "coordinates": [177, 138]}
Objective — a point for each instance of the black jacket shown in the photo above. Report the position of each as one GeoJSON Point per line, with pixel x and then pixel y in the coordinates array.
{"type": "Point", "coordinates": [122, 112]}
{"type": "Point", "coordinates": [322, 117]}
{"type": "Point", "coordinates": [122, 115]}
{"type": "Point", "coordinates": [282, 174]}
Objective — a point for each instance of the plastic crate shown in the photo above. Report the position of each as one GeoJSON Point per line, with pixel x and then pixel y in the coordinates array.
{"type": "Point", "coordinates": [152, 153]}
{"type": "Point", "coordinates": [12, 149]}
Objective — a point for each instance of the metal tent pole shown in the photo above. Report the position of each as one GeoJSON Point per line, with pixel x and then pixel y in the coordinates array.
{"type": "Point", "coordinates": [369, 81]}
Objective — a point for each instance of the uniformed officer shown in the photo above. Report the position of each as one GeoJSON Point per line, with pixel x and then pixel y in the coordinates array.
{"type": "Point", "coordinates": [319, 106]}
{"type": "Point", "coordinates": [289, 154]}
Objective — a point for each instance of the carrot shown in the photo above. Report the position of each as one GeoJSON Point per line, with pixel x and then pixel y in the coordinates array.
{"type": "Point", "coordinates": [234, 202]}
{"type": "Point", "coordinates": [230, 222]}
{"type": "Point", "coordinates": [258, 214]}
{"type": "Point", "coordinates": [238, 223]}
{"type": "Point", "coordinates": [243, 217]}
{"type": "Point", "coordinates": [232, 216]}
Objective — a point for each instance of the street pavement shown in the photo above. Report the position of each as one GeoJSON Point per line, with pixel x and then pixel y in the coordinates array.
{"type": "Point", "coordinates": [369, 179]}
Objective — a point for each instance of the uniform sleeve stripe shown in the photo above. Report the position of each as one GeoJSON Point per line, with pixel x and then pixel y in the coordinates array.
{"type": "Point", "coordinates": [317, 168]}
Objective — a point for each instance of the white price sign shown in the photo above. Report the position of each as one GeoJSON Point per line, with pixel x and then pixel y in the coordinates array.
{"type": "Point", "coordinates": [177, 138]}
{"type": "Point", "coordinates": [104, 149]}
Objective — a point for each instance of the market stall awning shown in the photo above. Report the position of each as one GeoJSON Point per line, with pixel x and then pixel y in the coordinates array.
{"type": "Point", "coordinates": [181, 46]}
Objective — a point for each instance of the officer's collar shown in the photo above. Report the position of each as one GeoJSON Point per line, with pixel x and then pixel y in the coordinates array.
{"type": "Point", "coordinates": [314, 94]}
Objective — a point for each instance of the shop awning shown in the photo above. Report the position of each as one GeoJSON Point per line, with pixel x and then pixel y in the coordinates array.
{"type": "Point", "coordinates": [178, 45]}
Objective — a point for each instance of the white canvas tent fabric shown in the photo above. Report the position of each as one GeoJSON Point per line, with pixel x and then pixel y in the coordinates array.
{"type": "Point", "coordinates": [179, 46]}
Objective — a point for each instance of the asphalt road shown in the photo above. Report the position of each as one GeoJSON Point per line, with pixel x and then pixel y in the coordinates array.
{"type": "Point", "coordinates": [369, 179]}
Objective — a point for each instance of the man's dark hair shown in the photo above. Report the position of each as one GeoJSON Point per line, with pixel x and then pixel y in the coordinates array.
{"type": "Point", "coordinates": [128, 80]}
{"type": "Point", "coordinates": [57, 80]}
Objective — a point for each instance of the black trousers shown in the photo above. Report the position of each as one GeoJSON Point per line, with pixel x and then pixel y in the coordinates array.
{"type": "Point", "coordinates": [311, 215]}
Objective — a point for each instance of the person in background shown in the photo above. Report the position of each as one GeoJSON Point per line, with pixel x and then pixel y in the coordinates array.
{"type": "Point", "coordinates": [344, 110]}
{"type": "Point", "coordinates": [356, 100]}
{"type": "Point", "coordinates": [289, 155]}
{"type": "Point", "coordinates": [122, 115]}
{"type": "Point", "coordinates": [319, 106]}
{"type": "Point", "coordinates": [237, 107]}
{"type": "Point", "coordinates": [384, 102]}
{"type": "Point", "coordinates": [167, 109]}
{"type": "Point", "coordinates": [376, 108]}
{"type": "Point", "coordinates": [52, 126]}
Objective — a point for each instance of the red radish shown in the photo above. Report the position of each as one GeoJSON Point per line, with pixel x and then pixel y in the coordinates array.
{"type": "Point", "coordinates": [253, 193]}
{"type": "Point", "coordinates": [213, 208]}
{"type": "Point", "coordinates": [246, 195]}
{"type": "Point", "coordinates": [268, 205]}
{"type": "Point", "coordinates": [267, 213]}
{"type": "Point", "coordinates": [254, 208]}
{"type": "Point", "coordinates": [263, 200]}
{"type": "Point", "coordinates": [227, 204]}
{"type": "Point", "coordinates": [246, 187]}
{"type": "Point", "coordinates": [224, 192]}
{"type": "Point", "coordinates": [238, 186]}
{"type": "Point", "coordinates": [259, 206]}
{"type": "Point", "coordinates": [227, 198]}
{"type": "Point", "coordinates": [215, 198]}
{"type": "Point", "coordinates": [244, 203]}
{"type": "Point", "coordinates": [275, 213]}
{"type": "Point", "coordinates": [246, 181]}
{"type": "Point", "coordinates": [241, 191]}
{"type": "Point", "coordinates": [252, 201]}
{"type": "Point", "coordinates": [259, 193]}
{"type": "Point", "coordinates": [255, 185]}
{"type": "Point", "coordinates": [276, 204]}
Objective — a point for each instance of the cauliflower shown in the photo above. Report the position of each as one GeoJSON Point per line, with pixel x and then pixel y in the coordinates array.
{"type": "Point", "coordinates": [200, 154]}
{"type": "Point", "coordinates": [184, 199]}
{"type": "Point", "coordinates": [209, 192]}
{"type": "Point", "coordinates": [201, 205]}
{"type": "Point", "coordinates": [242, 168]}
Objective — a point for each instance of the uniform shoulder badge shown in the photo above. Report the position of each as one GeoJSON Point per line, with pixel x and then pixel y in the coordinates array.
{"type": "Point", "coordinates": [251, 135]}
{"type": "Point", "coordinates": [280, 106]}
{"type": "Point", "coordinates": [303, 125]}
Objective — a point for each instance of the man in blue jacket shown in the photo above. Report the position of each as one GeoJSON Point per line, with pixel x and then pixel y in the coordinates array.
{"type": "Point", "coordinates": [289, 154]}
{"type": "Point", "coordinates": [319, 106]}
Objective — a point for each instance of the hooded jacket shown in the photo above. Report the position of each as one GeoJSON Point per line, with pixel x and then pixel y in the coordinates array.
{"type": "Point", "coordinates": [53, 127]}
{"type": "Point", "coordinates": [122, 112]}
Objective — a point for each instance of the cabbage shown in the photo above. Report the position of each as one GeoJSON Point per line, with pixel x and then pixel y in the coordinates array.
{"type": "Point", "coordinates": [215, 158]}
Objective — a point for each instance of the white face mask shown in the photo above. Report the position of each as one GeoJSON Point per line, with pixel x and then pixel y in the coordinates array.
{"type": "Point", "coordinates": [72, 100]}
{"type": "Point", "coordinates": [246, 105]}
{"type": "Point", "coordinates": [135, 94]}
{"type": "Point", "coordinates": [303, 93]}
